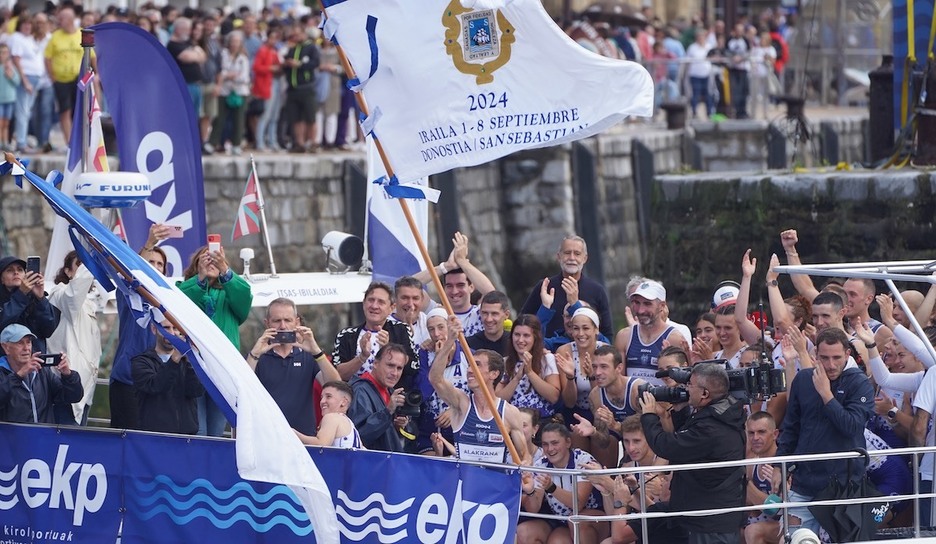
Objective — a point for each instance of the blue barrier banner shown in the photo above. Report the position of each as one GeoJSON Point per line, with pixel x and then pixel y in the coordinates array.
{"type": "Point", "coordinates": [72, 484]}
{"type": "Point", "coordinates": [59, 485]}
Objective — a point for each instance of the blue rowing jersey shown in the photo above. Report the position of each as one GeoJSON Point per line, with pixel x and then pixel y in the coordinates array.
{"type": "Point", "coordinates": [641, 358]}
{"type": "Point", "coordinates": [479, 439]}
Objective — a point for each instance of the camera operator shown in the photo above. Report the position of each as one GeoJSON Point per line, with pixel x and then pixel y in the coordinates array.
{"type": "Point", "coordinates": [374, 410]}
{"type": "Point", "coordinates": [714, 432]}
{"type": "Point", "coordinates": [288, 360]}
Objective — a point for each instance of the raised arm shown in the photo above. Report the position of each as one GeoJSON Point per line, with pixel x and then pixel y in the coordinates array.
{"type": "Point", "coordinates": [925, 311]}
{"type": "Point", "coordinates": [480, 281]}
{"type": "Point", "coordinates": [750, 333]}
{"type": "Point", "coordinates": [802, 282]}
{"type": "Point", "coordinates": [778, 309]}
{"type": "Point", "coordinates": [458, 400]}
{"type": "Point", "coordinates": [905, 336]}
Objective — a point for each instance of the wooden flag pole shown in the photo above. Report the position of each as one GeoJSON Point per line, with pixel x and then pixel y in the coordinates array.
{"type": "Point", "coordinates": [488, 395]}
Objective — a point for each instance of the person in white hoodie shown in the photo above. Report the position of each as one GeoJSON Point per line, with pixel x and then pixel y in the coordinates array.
{"type": "Point", "coordinates": [78, 333]}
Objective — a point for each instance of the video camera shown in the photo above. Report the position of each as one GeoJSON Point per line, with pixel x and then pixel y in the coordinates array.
{"type": "Point", "coordinates": [757, 382]}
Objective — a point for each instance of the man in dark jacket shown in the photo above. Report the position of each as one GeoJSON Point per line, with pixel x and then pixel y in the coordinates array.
{"type": "Point", "coordinates": [714, 432]}
{"type": "Point", "coordinates": [827, 410]}
{"type": "Point", "coordinates": [355, 346]}
{"type": "Point", "coordinates": [28, 385]}
{"type": "Point", "coordinates": [572, 256]}
{"type": "Point", "coordinates": [23, 300]}
{"type": "Point", "coordinates": [166, 387]}
{"type": "Point", "coordinates": [375, 402]}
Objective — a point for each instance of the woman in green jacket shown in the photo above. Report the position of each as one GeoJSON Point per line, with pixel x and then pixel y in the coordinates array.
{"type": "Point", "coordinates": [225, 297]}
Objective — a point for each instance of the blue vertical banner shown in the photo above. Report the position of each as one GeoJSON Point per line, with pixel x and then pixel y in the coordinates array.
{"type": "Point", "coordinates": [59, 485]}
{"type": "Point", "coordinates": [157, 134]}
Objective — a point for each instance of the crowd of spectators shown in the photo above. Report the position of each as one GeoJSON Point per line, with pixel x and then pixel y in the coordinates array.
{"type": "Point", "coordinates": [267, 80]}
{"type": "Point", "coordinates": [271, 82]}
{"type": "Point", "coordinates": [734, 72]}
{"type": "Point", "coordinates": [400, 382]}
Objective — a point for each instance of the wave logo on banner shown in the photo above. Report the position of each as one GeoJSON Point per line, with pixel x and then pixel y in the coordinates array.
{"type": "Point", "coordinates": [438, 515]}
{"type": "Point", "coordinates": [220, 507]}
{"type": "Point", "coordinates": [355, 517]}
{"type": "Point", "coordinates": [78, 487]}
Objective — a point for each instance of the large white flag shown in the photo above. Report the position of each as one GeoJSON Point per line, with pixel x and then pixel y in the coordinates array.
{"type": "Point", "coordinates": [449, 85]}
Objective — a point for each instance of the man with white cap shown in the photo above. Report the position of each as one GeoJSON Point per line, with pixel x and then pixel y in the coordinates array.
{"type": "Point", "coordinates": [23, 300]}
{"type": "Point", "coordinates": [641, 343]}
{"type": "Point", "coordinates": [28, 386]}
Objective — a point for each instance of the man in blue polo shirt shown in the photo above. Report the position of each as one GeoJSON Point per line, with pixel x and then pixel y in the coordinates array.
{"type": "Point", "coordinates": [288, 368]}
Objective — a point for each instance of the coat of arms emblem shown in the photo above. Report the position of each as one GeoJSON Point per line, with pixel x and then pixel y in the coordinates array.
{"type": "Point", "coordinates": [478, 41]}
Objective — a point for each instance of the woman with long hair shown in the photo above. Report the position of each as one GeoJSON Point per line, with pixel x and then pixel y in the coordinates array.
{"type": "Point", "coordinates": [531, 379]}
{"type": "Point", "coordinates": [225, 297]}
{"type": "Point", "coordinates": [78, 333]}
{"type": "Point", "coordinates": [234, 91]}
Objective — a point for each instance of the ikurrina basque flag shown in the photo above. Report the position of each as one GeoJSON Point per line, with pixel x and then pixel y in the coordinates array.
{"type": "Point", "coordinates": [454, 83]}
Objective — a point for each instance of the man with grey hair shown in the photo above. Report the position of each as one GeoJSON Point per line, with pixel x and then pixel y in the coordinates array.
{"type": "Point", "coordinates": [288, 360]}
{"type": "Point", "coordinates": [713, 432]}
{"type": "Point", "coordinates": [640, 344]}
{"type": "Point", "coordinates": [571, 283]}
{"type": "Point", "coordinates": [632, 286]}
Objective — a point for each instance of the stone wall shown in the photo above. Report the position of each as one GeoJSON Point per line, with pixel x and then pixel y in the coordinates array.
{"type": "Point", "coordinates": [704, 223]}
{"type": "Point", "coordinates": [742, 145]}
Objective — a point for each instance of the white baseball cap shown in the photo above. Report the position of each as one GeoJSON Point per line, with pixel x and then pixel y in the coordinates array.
{"type": "Point", "coordinates": [651, 290]}
{"type": "Point", "coordinates": [725, 293]}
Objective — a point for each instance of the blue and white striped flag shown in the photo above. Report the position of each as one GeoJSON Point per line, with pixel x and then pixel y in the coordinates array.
{"type": "Point", "coordinates": [391, 247]}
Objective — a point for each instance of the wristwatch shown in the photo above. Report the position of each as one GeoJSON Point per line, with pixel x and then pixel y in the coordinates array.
{"type": "Point", "coordinates": [772, 283]}
{"type": "Point", "coordinates": [892, 413]}
{"type": "Point", "coordinates": [618, 503]}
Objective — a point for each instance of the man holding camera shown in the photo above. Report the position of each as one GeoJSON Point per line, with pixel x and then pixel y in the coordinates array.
{"type": "Point", "coordinates": [287, 360]}
{"type": "Point", "coordinates": [713, 432]}
{"type": "Point", "coordinates": [28, 385]}
{"type": "Point", "coordinates": [374, 410]}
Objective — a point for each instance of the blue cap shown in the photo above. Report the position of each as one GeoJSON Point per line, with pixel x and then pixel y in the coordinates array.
{"type": "Point", "coordinates": [15, 333]}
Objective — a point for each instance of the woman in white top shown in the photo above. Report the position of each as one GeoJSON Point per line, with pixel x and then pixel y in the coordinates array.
{"type": "Point", "coordinates": [78, 333]}
{"type": "Point", "coordinates": [336, 428]}
{"type": "Point", "coordinates": [531, 379]}
{"type": "Point", "coordinates": [574, 361]}
{"type": "Point", "coordinates": [700, 73]}
{"type": "Point", "coordinates": [234, 91]}
{"type": "Point", "coordinates": [29, 62]}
